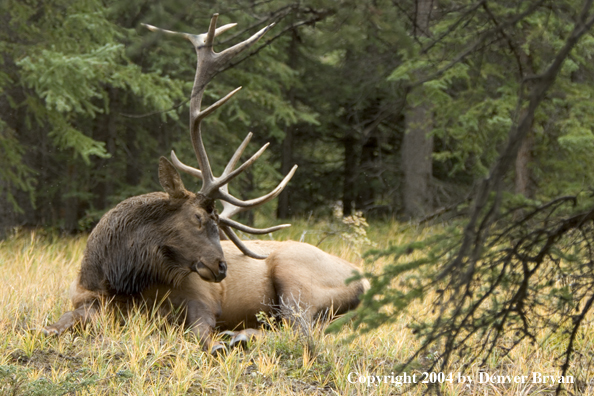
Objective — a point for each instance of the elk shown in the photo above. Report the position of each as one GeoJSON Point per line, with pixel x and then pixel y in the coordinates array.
{"type": "Point", "coordinates": [165, 246]}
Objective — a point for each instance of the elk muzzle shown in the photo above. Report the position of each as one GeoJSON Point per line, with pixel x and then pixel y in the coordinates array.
{"type": "Point", "coordinates": [214, 273]}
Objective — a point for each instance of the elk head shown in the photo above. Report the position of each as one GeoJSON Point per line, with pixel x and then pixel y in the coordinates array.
{"type": "Point", "coordinates": [191, 233]}
{"type": "Point", "coordinates": [213, 188]}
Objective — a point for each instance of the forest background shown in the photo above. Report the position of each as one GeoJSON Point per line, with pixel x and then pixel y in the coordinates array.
{"type": "Point", "coordinates": [475, 112]}
{"type": "Point", "coordinates": [393, 108]}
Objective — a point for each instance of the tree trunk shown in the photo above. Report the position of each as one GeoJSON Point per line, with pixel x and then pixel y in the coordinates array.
{"type": "Point", "coordinates": [522, 169]}
{"type": "Point", "coordinates": [107, 133]}
{"type": "Point", "coordinates": [133, 172]}
{"type": "Point", "coordinates": [368, 172]}
{"type": "Point", "coordinates": [417, 148]}
{"type": "Point", "coordinates": [349, 192]}
{"type": "Point", "coordinates": [523, 173]}
{"type": "Point", "coordinates": [8, 215]}
{"type": "Point", "coordinates": [284, 205]}
{"type": "Point", "coordinates": [283, 210]}
{"type": "Point", "coordinates": [71, 202]}
{"type": "Point", "coordinates": [417, 144]}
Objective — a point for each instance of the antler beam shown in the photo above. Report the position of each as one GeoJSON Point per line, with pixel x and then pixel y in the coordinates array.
{"type": "Point", "coordinates": [209, 63]}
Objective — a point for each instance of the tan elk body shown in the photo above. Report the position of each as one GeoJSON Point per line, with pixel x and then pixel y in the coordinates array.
{"type": "Point", "coordinates": [166, 245]}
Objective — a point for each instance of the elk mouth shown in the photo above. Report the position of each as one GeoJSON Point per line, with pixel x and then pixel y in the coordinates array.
{"type": "Point", "coordinates": [206, 273]}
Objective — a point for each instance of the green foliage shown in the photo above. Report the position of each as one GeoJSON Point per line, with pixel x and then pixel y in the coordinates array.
{"type": "Point", "coordinates": [64, 136]}
{"type": "Point", "coordinates": [65, 63]}
{"type": "Point", "coordinates": [14, 173]}
{"type": "Point", "coordinates": [476, 90]}
{"type": "Point", "coordinates": [87, 93]}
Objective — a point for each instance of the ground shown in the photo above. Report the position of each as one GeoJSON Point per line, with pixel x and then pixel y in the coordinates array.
{"type": "Point", "coordinates": [142, 355]}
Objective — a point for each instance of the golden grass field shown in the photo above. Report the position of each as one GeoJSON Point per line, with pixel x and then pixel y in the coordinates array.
{"type": "Point", "coordinates": [149, 356]}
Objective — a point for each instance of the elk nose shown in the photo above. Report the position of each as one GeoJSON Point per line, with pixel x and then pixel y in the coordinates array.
{"type": "Point", "coordinates": [222, 267]}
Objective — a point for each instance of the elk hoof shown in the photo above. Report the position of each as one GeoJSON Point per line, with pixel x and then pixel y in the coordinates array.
{"type": "Point", "coordinates": [240, 340]}
{"type": "Point", "coordinates": [50, 331]}
{"type": "Point", "coordinates": [218, 349]}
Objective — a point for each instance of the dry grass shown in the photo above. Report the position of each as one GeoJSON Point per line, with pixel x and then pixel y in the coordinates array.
{"type": "Point", "coordinates": [152, 357]}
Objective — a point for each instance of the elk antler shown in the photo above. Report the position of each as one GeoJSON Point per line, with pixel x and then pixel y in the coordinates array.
{"type": "Point", "coordinates": [230, 209]}
{"type": "Point", "coordinates": [209, 64]}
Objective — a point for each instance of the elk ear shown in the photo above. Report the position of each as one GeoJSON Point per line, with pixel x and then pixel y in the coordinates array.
{"type": "Point", "coordinates": [170, 179]}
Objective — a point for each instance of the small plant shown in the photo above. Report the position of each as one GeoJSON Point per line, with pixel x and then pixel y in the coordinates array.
{"type": "Point", "coordinates": [351, 229]}
{"type": "Point", "coordinates": [356, 231]}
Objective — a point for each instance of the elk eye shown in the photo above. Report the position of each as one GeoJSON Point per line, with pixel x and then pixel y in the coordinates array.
{"type": "Point", "coordinates": [199, 220]}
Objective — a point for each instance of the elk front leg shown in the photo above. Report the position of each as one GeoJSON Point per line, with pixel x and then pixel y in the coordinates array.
{"type": "Point", "coordinates": [83, 314]}
{"type": "Point", "coordinates": [201, 319]}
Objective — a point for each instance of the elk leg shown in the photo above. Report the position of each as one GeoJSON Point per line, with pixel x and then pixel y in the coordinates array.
{"type": "Point", "coordinates": [83, 314]}
{"type": "Point", "coordinates": [201, 320]}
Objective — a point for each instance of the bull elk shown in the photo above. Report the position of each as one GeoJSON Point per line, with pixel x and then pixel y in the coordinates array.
{"type": "Point", "coordinates": [166, 245]}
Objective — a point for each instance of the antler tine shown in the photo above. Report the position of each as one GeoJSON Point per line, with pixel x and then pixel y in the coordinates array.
{"type": "Point", "coordinates": [244, 249]}
{"type": "Point", "coordinates": [233, 161]}
{"type": "Point", "coordinates": [229, 173]}
{"type": "Point", "coordinates": [208, 178]}
{"type": "Point", "coordinates": [209, 40]}
{"type": "Point", "coordinates": [192, 37]}
{"type": "Point", "coordinates": [251, 230]}
{"type": "Point", "coordinates": [227, 177]}
{"type": "Point", "coordinates": [165, 31]}
{"type": "Point", "coordinates": [230, 210]}
{"type": "Point", "coordinates": [237, 48]}
{"type": "Point", "coordinates": [252, 203]}
{"type": "Point", "coordinates": [185, 168]}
